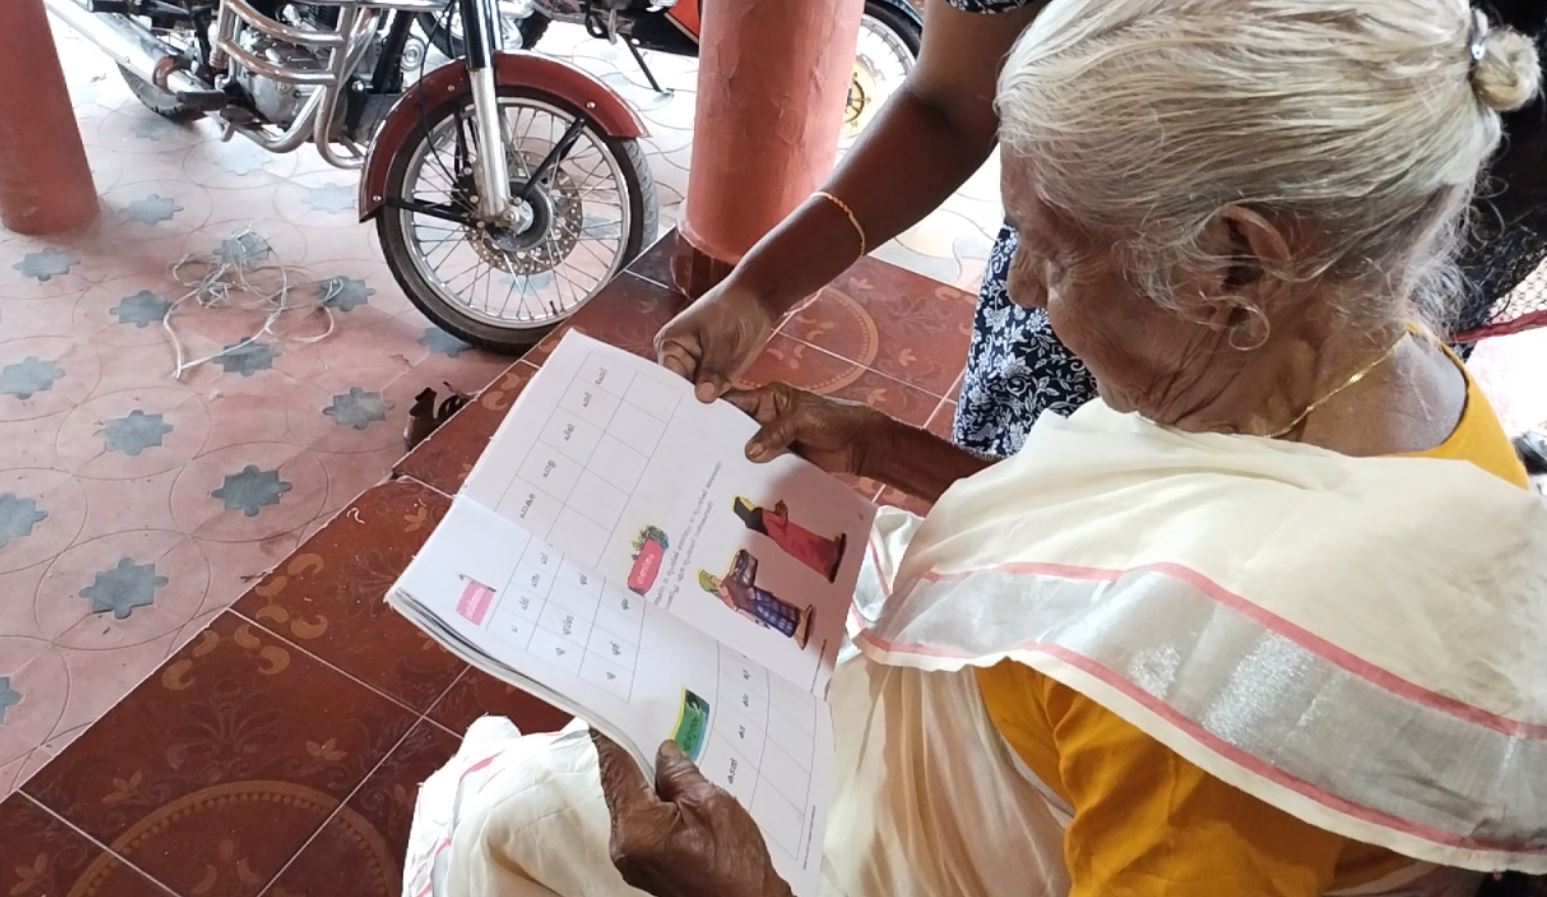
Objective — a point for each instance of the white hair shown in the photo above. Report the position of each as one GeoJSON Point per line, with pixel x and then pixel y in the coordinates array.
{"type": "Point", "coordinates": [1367, 121]}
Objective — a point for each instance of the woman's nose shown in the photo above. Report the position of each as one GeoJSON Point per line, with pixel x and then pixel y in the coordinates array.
{"type": "Point", "coordinates": [1027, 285]}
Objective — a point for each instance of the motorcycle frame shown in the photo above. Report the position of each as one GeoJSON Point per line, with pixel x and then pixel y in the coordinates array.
{"type": "Point", "coordinates": [346, 45]}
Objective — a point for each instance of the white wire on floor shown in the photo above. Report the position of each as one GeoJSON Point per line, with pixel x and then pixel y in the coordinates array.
{"type": "Point", "coordinates": [230, 283]}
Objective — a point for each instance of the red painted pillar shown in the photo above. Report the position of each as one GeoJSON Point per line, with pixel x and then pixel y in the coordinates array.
{"type": "Point", "coordinates": [773, 81]}
{"type": "Point", "coordinates": [45, 183]}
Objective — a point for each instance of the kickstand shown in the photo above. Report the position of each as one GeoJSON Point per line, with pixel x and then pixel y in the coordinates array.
{"type": "Point", "coordinates": [649, 75]}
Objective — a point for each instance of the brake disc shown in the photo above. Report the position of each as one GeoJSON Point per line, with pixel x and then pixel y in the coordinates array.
{"type": "Point", "coordinates": [550, 226]}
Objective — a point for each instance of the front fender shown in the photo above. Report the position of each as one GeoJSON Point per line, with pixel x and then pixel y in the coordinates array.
{"type": "Point", "coordinates": [450, 83]}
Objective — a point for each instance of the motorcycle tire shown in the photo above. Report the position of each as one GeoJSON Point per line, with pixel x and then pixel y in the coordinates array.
{"type": "Point", "coordinates": [644, 214]}
{"type": "Point", "coordinates": [905, 28]}
{"type": "Point", "coordinates": [157, 100]}
{"type": "Point", "coordinates": [531, 29]}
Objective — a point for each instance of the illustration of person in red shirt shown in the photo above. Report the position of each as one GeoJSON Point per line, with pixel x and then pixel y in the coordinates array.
{"type": "Point", "coordinates": [820, 553]}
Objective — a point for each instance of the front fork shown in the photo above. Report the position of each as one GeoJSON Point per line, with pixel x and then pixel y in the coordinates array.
{"type": "Point", "coordinates": [491, 171]}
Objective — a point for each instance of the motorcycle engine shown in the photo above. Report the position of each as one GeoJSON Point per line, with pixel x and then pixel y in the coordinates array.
{"type": "Point", "coordinates": [276, 101]}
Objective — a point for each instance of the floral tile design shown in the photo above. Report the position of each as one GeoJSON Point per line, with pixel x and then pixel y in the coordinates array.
{"type": "Point", "coordinates": [359, 852]}
{"type": "Point", "coordinates": [329, 596]}
{"type": "Point", "coordinates": [142, 309]}
{"type": "Point", "coordinates": [478, 694]}
{"type": "Point", "coordinates": [46, 264]}
{"type": "Point", "coordinates": [247, 358]}
{"type": "Point", "coordinates": [18, 517]}
{"type": "Point", "coordinates": [251, 490]}
{"type": "Point", "coordinates": [135, 432]}
{"type": "Point", "coordinates": [124, 587]}
{"type": "Point", "coordinates": [257, 745]}
{"type": "Point", "coordinates": [23, 379]}
{"type": "Point", "coordinates": [42, 856]}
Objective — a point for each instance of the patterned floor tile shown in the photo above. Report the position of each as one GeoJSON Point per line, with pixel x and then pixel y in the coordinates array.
{"type": "Point", "coordinates": [329, 596]}
{"type": "Point", "coordinates": [446, 458]}
{"type": "Point", "coordinates": [41, 856]}
{"type": "Point", "coordinates": [654, 264]}
{"type": "Point", "coordinates": [892, 320]}
{"type": "Point", "coordinates": [359, 852]}
{"type": "Point", "coordinates": [257, 744]}
{"type": "Point", "coordinates": [478, 694]}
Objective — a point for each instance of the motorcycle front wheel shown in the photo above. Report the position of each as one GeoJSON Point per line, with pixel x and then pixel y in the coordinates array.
{"type": "Point", "coordinates": [889, 44]}
{"type": "Point", "coordinates": [504, 288]}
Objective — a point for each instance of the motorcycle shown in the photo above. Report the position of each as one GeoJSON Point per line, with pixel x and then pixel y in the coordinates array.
{"type": "Point", "coordinates": [889, 38]}
{"type": "Point", "coordinates": [506, 188]}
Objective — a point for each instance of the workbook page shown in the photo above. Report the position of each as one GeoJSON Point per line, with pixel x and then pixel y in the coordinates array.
{"type": "Point", "coordinates": [632, 669]}
{"type": "Point", "coordinates": [610, 459]}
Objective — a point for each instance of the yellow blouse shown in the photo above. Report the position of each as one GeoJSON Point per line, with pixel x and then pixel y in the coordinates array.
{"type": "Point", "coordinates": [1148, 823]}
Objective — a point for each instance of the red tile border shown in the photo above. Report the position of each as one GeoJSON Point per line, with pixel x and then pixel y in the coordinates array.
{"type": "Point", "coordinates": [444, 460]}
{"type": "Point", "coordinates": [328, 598]}
{"type": "Point", "coordinates": [899, 323]}
{"type": "Point", "coordinates": [654, 264]}
{"type": "Point", "coordinates": [478, 694]}
{"type": "Point", "coordinates": [359, 853]}
{"type": "Point", "coordinates": [214, 772]}
{"type": "Point", "coordinates": [41, 856]}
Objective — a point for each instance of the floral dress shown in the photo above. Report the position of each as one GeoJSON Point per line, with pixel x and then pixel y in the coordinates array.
{"type": "Point", "coordinates": [1017, 369]}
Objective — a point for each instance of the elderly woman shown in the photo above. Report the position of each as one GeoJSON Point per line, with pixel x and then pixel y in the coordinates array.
{"type": "Point", "coordinates": [1265, 619]}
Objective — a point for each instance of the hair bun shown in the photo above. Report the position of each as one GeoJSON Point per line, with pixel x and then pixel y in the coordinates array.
{"type": "Point", "coordinates": [1509, 74]}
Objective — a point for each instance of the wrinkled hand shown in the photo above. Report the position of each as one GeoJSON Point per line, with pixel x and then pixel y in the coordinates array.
{"type": "Point", "coordinates": [835, 435]}
{"type": "Point", "coordinates": [715, 338]}
{"type": "Point", "coordinates": [685, 837]}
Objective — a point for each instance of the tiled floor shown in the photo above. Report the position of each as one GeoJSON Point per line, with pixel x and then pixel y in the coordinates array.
{"type": "Point", "coordinates": [135, 506]}
{"type": "Point", "coordinates": [280, 751]}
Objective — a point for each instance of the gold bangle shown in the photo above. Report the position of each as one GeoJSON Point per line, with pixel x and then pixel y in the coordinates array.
{"type": "Point", "coordinates": [859, 229]}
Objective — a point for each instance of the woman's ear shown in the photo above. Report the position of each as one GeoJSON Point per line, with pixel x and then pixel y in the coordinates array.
{"type": "Point", "coordinates": [1247, 254]}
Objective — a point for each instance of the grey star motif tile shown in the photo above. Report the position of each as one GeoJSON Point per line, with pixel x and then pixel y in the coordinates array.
{"type": "Point", "coordinates": [29, 376]}
{"type": "Point", "coordinates": [247, 358]}
{"type": "Point", "coordinates": [332, 199]}
{"type": "Point", "coordinates": [251, 490]}
{"type": "Point", "coordinates": [123, 587]}
{"type": "Point", "coordinates": [244, 250]}
{"type": "Point", "coordinates": [241, 158]}
{"type": "Point", "coordinates": [142, 309]}
{"type": "Point", "coordinates": [18, 516]}
{"type": "Point", "coordinates": [358, 408]}
{"type": "Point", "coordinates": [344, 293]}
{"type": "Point", "coordinates": [153, 127]}
{"type": "Point", "coordinates": [9, 697]}
{"type": "Point", "coordinates": [439, 341]}
{"type": "Point", "coordinates": [135, 432]}
{"type": "Point", "coordinates": [46, 264]}
{"type": "Point", "coordinates": [152, 209]}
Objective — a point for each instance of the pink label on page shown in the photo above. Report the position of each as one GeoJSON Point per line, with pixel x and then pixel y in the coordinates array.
{"type": "Point", "coordinates": [475, 601]}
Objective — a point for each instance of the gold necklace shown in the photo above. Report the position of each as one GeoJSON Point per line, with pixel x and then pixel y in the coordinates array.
{"type": "Point", "coordinates": [1340, 388]}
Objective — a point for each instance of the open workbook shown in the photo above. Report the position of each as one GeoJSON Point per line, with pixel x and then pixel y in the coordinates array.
{"type": "Point", "coordinates": [614, 553]}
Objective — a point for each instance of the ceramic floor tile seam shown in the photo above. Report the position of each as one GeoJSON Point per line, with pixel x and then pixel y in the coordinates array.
{"type": "Point", "coordinates": [420, 719]}
{"type": "Point", "coordinates": [77, 830]}
{"type": "Point", "coordinates": [398, 702]}
{"type": "Point", "coordinates": [333, 814]}
{"type": "Point", "coordinates": [868, 369]}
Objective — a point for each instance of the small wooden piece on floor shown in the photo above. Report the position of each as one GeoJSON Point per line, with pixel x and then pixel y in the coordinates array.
{"type": "Point", "coordinates": [424, 417]}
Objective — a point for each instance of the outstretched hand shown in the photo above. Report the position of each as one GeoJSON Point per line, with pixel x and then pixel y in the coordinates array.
{"type": "Point", "coordinates": [836, 435]}
{"type": "Point", "coordinates": [715, 339]}
{"type": "Point", "coordinates": [685, 837]}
